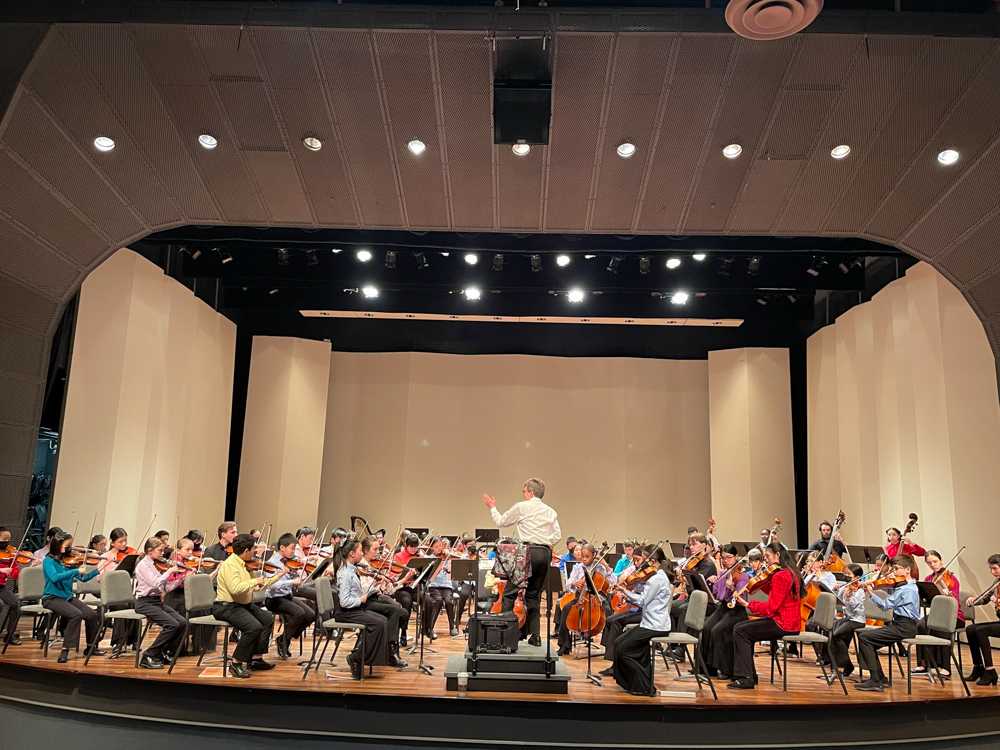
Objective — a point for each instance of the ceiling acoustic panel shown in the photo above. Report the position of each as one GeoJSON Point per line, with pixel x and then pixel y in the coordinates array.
{"type": "Point", "coordinates": [642, 67]}
{"type": "Point", "coordinates": [744, 111]}
{"type": "Point", "coordinates": [22, 353]}
{"type": "Point", "coordinates": [18, 398]}
{"type": "Point", "coordinates": [348, 70]}
{"type": "Point", "coordinates": [26, 308]}
{"type": "Point", "coordinates": [464, 78]}
{"type": "Point", "coordinates": [986, 295]}
{"type": "Point", "coordinates": [764, 194]}
{"type": "Point", "coordinates": [520, 187]}
{"type": "Point", "coordinates": [684, 137]}
{"type": "Point", "coordinates": [36, 264]}
{"type": "Point", "coordinates": [406, 69]}
{"type": "Point", "coordinates": [978, 253]}
{"type": "Point", "coordinates": [579, 85]}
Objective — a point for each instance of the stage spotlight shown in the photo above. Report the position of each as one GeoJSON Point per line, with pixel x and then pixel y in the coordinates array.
{"type": "Point", "coordinates": [643, 265]}
{"type": "Point", "coordinates": [699, 257]}
{"type": "Point", "coordinates": [282, 255]}
{"type": "Point", "coordinates": [753, 266]}
{"type": "Point", "coordinates": [726, 267]}
{"type": "Point", "coordinates": [615, 263]}
{"type": "Point", "coordinates": [589, 256]}
{"type": "Point", "coordinates": [224, 257]}
{"type": "Point", "coordinates": [575, 295]}
{"type": "Point", "coordinates": [840, 152]}
{"type": "Point", "coordinates": [626, 150]}
{"type": "Point", "coordinates": [312, 143]}
{"type": "Point", "coordinates": [416, 147]}
{"type": "Point", "coordinates": [195, 254]}
{"type": "Point", "coordinates": [498, 262]}
{"type": "Point", "coordinates": [390, 260]}
{"type": "Point", "coordinates": [762, 301]}
{"type": "Point", "coordinates": [336, 250]}
{"type": "Point", "coordinates": [273, 292]}
{"type": "Point", "coordinates": [363, 255]}
{"type": "Point", "coordinates": [472, 293]}
{"type": "Point", "coordinates": [732, 151]}
{"type": "Point", "coordinates": [370, 292]}
{"type": "Point", "coordinates": [679, 298]}
{"type": "Point", "coordinates": [521, 149]}
{"type": "Point", "coordinates": [312, 259]}
{"type": "Point", "coordinates": [471, 258]}
{"type": "Point", "coordinates": [673, 263]}
{"type": "Point", "coordinates": [536, 263]}
{"type": "Point", "coordinates": [854, 265]}
{"type": "Point", "coordinates": [948, 157]}
{"type": "Point", "coordinates": [817, 265]}
{"type": "Point", "coordinates": [421, 261]}
{"type": "Point", "coordinates": [562, 260]}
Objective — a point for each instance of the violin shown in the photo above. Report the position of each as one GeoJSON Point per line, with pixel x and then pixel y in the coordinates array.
{"type": "Point", "coordinates": [121, 554]}
{"type": "Point", "coordinates": [754, 583]}
{"type": "Point", "coordinates": [207, 564]}
{"type": "Point", "coordinates": [268, 568]}
{"type": "Point", "coordinates": [619, 602]}
{"type": "Point", "coordinates": [16, 556]}
{"type": "Point", "coordinates": [164, 564]}
{"type": "Point", "coordinates": [695, 560]}
{"type": "Point", "coordinates": [77, 556]}
{"type": "Point", "coordinates": [889, 582]}
{"type": "Point", "coordinates": [944, 580]}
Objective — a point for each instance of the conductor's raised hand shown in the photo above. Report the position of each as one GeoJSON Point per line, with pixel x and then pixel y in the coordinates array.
{"type": "Point", "coordinates": [489, 501]}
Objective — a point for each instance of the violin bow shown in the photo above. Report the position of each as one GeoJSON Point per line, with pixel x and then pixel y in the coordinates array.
{"type": "Point", "coordinates": [149, 528]}
{"type": "Point", "coordinates": [23, 538]}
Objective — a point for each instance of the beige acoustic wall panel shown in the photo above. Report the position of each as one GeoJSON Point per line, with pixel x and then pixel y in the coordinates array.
{"type": "Point", "coordinates": [751, 441]}
{"type": "Point", "coordinates": [146, 425]}
{"type": "Point", "coordinates": [283, 438]}
{"type": "Point", "coordinates": [416, 439]}
{"type": "Point", "coordinates": [911, 387]}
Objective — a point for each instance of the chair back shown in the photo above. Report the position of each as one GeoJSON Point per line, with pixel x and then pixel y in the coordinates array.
{"type": "Point", "coordinates": [874, 613]}
{"type": "Point", "coordinates": [93, 586]}
{"type": "Point", "coordinates": [31, 583]}
{"type": "Point", "coordinates": [694, 618]}
{"type": "Point", "coordinates": [942, 615]}
{"type": "Point", "coordinates": [825, 613]}
{"type": "Point", "coordinates": [116, 588]}
{"type": "Point", "coordinates": [199, 593]}
{"type": "Point", "coordinates": [969, 612]}
{"type": "Point", "coordinates": [324, 597]}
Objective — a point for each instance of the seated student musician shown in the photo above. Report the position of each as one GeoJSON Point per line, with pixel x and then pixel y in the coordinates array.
{"type": "Point", "coordinates": [440, 591]}
{"type": "Point", "coordinates": [374, 583]}
{"type": "Point", "coordinates": [904, 603]}
{"type": "Point", "coordinates": [405, 594]}
{"type": "Point", "coordinates": [851, 597]}
{"type": "Point", "coordinates": [58, 595]}
{"type": "Point", "coordinates": [626, 560]}
{"type": "Point", "coordinates": [150, 586]}
{"type": "Point", "coordinates": [699, 562]}
{"type": "Point", "coordinates": [717, 634]}
{"type": "Point", "coordinates": [615, 624]}
{"type": "Point", "coordinates": [948, 584]}
{"type": "Point", "coordinates": [779, 616]}
{"type": "Point", "coordinates": [296, 612]}
{"type": "Point", "coordinates": [979, 633]}
{"type": "Point", "coordinates": [235, 586]}
{"type": "Point", "coordinates": [567, 556]}
{"type": "Point", "coordinates": [351, 607]}
{"type": "Point", "coordinates": [577, 582]}
{"type": "Point", "coordinates": [10, 605]}
{"type": "Point", "coordinates": [631, 667]}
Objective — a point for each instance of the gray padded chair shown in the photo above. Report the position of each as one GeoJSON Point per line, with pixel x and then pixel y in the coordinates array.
{"type": "Point", "coordinates": [116, 590]}
{"type": "Point", "coordinates": [199, 595]}
{"type": "Point", "coordinates": [823, 618]}
{"type": "Point", "coordinates": [325, 603]}
{"type": "Point", "coordinates": [30, 585]}
{"type": "Point", "coordinates": [694, 622]}
{"type": "Point", "coordinates": [940, 619]}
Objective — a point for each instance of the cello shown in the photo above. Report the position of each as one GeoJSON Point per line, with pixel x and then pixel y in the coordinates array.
{"type": "Point", "coordinates": [585, 614]}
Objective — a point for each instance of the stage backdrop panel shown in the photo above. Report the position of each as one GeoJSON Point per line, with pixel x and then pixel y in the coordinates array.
{"type": "Point", "coordinates": [414, 438]}
{"type": "Point", "coordinates": [148, 405]}
{"type": "Point", "coordinates": [903, 417]}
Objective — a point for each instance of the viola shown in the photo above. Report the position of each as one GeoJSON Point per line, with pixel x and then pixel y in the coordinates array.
{"type": "Point", "coordinates": [164, 564]}
{"type": "Point", "coordinates": [207, 564]}
{"type": "Point", "coordinates": [619, 602]}
{"type": "Point", "coordinates": [693, 561]}
{"type": "Point", "coordinates": [121, 554]}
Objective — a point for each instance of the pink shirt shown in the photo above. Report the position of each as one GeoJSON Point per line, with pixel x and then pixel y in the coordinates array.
{"type": "Point", "coordinates": [148, 580]}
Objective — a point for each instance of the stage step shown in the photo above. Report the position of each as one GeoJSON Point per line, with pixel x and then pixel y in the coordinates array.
{"type": "Point", "coordinates": [523, 672]}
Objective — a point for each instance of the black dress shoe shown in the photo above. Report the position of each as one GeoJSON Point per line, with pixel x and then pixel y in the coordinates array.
{"type": "Point", "coordinates": [63, 656]}
{"type": "Point", "coordinates": [239, 670]}
{"type": "Point", "coordinates": [432, 635]}
{"type": "Point", "coordinates": [743, 683]}
{"type": "Point", "coordinates": [977, 672]}
{"type": "Point", "coordinates": [609, 672]}
{"type": "Point", "coordinates": [397, 662]}
{"type": "Point", "coordinates": [97, 652]}
{"type": "Point", "coordinates": [284, 648]}
{"type": "Point", "coordinates": [989, 678]}
{"type": "Point", "coordinates": [356, 666]}
{"type": "Point", "coordinates": [259, 665]}
{"type": "Point", "coordinates": [870, 686]}
{"type": "Point", "coordinates": [150, 662]}
{"type": "Point", "coordinates": [535, 640]}
{"type": "Point", "coordinates": [402, 640]}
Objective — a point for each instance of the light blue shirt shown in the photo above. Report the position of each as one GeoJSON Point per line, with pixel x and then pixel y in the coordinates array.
{"type": "Point", "coordinates": [443, 578]}
{"type": "Point", "coordinates": [577, 574]}
{"type": "Point", "coordinates": [284, 585]}
{"type": "Point", "coordinates": [854, 603]}
{"type": "Point", "coordinates": [904, 601]}
{"type": "Point", "coordinates": [349, 587]}
{"type": "Point", "coordinates": [655, 602]}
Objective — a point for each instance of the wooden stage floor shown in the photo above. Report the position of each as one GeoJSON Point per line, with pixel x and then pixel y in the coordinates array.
{"type": "Point", "coordinates": [803, 686]}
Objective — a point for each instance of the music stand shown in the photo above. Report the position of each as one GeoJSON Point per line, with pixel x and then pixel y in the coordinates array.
{"type": "Point", "coordinates": [927, 591]}
{"type": "Point", "coordinates": [420, 531]}
{"type": "Point", "coordinates": [451, 538]}
{"type": "Point", "coordinates": [128, 564]}
{"type": "Point", "coordinates": [620, 548]}
{"type": "Point", "coordinates": [611, 559]}
{"type": "Point", "coordinates": [874, 553]}
{"type": "Point", "coordinates": [677, 549]}
{"type": "Point", "coordinates": [487, 535]}
{"type": "Point", "coordinates": [467, 571]}
{"type": "Point", "coordinates": [423, 566]}
{"type": "Point", "coordinates": [859, 554]}
{"type": "Point", "coordinates": [745, 547]}
{"type": "Point", "coordinates": [592, 590]}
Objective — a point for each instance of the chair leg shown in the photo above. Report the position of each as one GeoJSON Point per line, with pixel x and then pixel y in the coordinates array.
{"type": "Point", "coordinates": [225, 651]}
{"type": "Point", "coordinates": [91, 647]}
{"type": "Point", "coordinates": [909, 664]}
{"type": "Point", "coordinates": [677, 666]}
{"type": "Point", "coordinates": [3, 629]}
{"type": "Point", "coordinates": [784, 671]}
{"type": "Point", "coordinates": [699, 659]}
{"type": "Point", "coordinates": [694, 665]}
{"type": "Point", "coordinates": [181, 641]}
{"type": "Point", "coordinates": [833, 663]}
{"type": "Point", "coordinates": [138, 645]}
{"type": "Point", "coordinates": [958, 665]}
{"type": "Point", "coordinates": [336, 645]}
{"type": "Point", "coordinates": [362, 639]}
{"type": "Point", "coordinates": [49, 619]}
{"type": "Point", "coordinates": [652, 667]}
{"type": "Point", "coordinates": [312, 656]}
{"type": "Point", "coordinates": [322, 655]}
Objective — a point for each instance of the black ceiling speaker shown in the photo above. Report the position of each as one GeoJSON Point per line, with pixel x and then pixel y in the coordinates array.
{"type": "Point", "coordinates": [522, 91]}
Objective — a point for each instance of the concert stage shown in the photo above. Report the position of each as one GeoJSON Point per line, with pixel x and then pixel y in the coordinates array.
{"type": "Point", "coordinates": [403, 708]}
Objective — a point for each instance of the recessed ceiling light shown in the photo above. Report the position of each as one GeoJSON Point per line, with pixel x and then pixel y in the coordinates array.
{"type": "Point", "coordinates": [472, 293]}
{"type": "Point", "coordinates": [575, 295]}
{"type": "Point", "coordinates": [562, 260]}
{"type": "Point", "coordinates": [272, 292]}
{"type": "Point", "coordinates": [626, 150]}
{"type": "Point", "coordinates": [948, 157]}
{"type": "Point", "coordinates": [673, 263]}
{"type": "Point", "coordinates": [363, 255]}
{"type": "Point", "coordinates": [521, 149]}
{"type": "Point", "coordinates": [416, 146]}
{"type": "Point", "coordinates": [370, 292]}
{"type": "Point", "coordinates": [732, 151]}
{"type": "Point", "coordinates": [445, 255]}
{"type": "Point", "coordinates": [336, 250]}
{"type": "Point", "coordinates": [679, 298]}
{"type": "Point", "coordinates": [841, 151]}
{"type": "Point", "coordinates": [312, 143]}
{"type": "Point", "coordinates": [103, 143]}
{"type": "Point", "coordinates": [699, 256]}
{"type": "Point", "coordinates": [208, 141]}
{"type": "Point", "coordinates": [471, 258]}
{"type": "Point", "coordinates": [589, 257]}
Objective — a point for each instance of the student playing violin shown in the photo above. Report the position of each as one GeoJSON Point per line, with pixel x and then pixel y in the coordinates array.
{"type": "Point", "coordinates": [58, 595]}
{"type": "Point", "coordinates": [947, 583]}
{"type": "Point", "coordinates": [904, 603]}
{"type": "Point", "coordinates": [295, 611]}
{"type": "Point", "coordinates": [9, 570]}
{"type": "Point", "coordinates": [150, 586]}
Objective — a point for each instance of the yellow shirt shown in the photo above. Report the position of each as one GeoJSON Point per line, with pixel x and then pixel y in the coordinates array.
{"type": "Point", "coordinates": [234, 583]}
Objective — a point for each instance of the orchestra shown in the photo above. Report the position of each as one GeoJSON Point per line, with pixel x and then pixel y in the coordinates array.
{"type": "Point", "coordinates": [756, 593]}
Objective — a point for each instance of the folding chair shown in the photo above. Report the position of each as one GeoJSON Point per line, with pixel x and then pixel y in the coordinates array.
{"type": "Point", "coordinates": [694, 622]}
{"type": "Point", "coordinates": [940, 619]}
{"type": "Point", "coordinates": [116, 589]}
{"type": "Point", "coordinates": [823, 618]}
{"type": "Point", "coordinates": [326, 603]}
{"type": "Point", "coordinates": [199, 595]}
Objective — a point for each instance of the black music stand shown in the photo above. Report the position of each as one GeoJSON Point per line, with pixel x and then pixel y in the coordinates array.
{"type": "Point", "coordinates": [677, 549]}
{"type": "Point", "coordinates": [611, 559]}
{"type": "Point", "coordinates": [128, 564]}
{"type": "Point", "coordinates": [745, 547]}
{"type": "Point", "coordinates": [859, 554]}
{"type": "Point", "coordinates": [420, 531]}
{"type": "Point", "coordinates": [487, 535]}
{"type": "Point", "coordinates": [927, 590]}
{"type": "Point", "coordinates": [592, 589]}
{"type": "Point", "coordinates": [423, 566]}
{"type": "Point", "coordinates": [467, 571]}
{"type": "Point", "coordinates": [451, 538]}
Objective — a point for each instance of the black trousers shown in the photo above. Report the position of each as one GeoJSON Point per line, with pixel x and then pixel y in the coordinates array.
{"type": "Point", "coordinates": [869, 641]}
{"type": "Point", "coordinates": [295, 612]}
{"type": "Point", "coordinates": [745, 635]}
{"type": "Point", "coordinates": [465, 592]}
{"type": "Point", "coordinates": [940, 655]}
{"type": "Point", "coordinates": [437, 598]}
{"type": "Point", "coordinates": [393, 613]}
{"type": "Point", "coordinates": [840, 643]}
{"type": "Point", "coordinates": [203, 637]}
{"type": "Point", "coordinates": [254, 623]}
{"type": "Point", "coordinates": [170, 622]}
{"type": "Point", "coordinates": [10, 607]}
{"type": "Point", "coordinates": [978, 634]}
{"type": "Point", "coordinates": [73, 612]}
{"type": "Point", "coordinates": [405, 598]}
{"type": "Point", "coordinates": [375, 639]}
{"type": "Point", "coordinates": [540, 557]}
{"type": "Point", "coordinates": [613, 628]}
{"type": "Point", "coordinates": [717, 637]}
{"type": "Point", "coordinates": [632, 665]}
